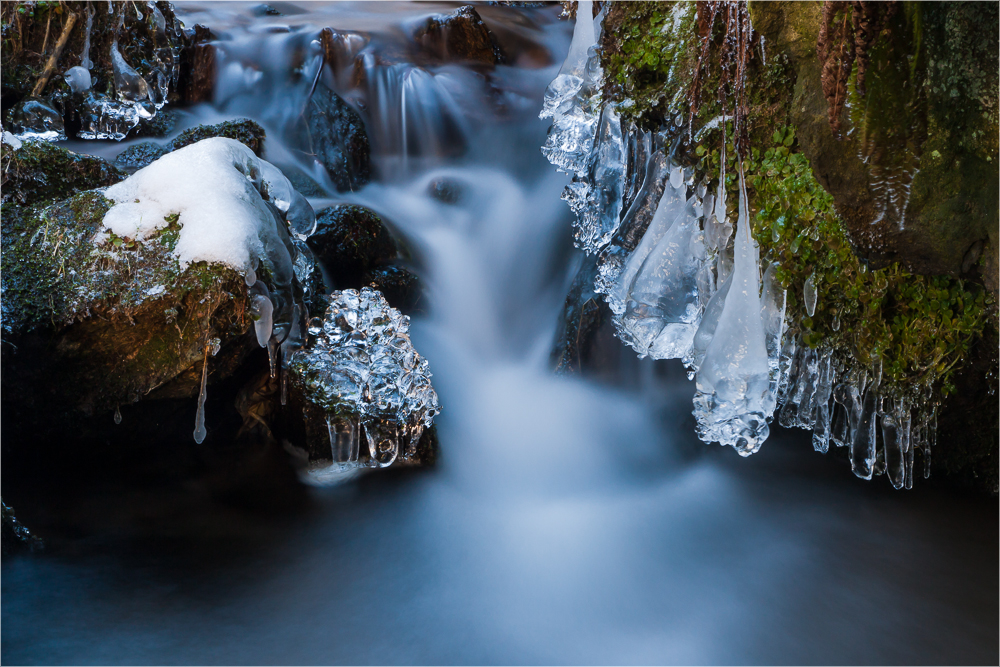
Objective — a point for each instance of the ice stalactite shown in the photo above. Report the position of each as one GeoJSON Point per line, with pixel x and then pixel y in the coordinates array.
{"type": "Point", "coordinates": [733, 401]}
{"type": "Point", "coordinates": [85, 60]}
{"type": "Point", "coordinates": [199, 418]}
{"type": "Point", "coordinates": [363, 372]}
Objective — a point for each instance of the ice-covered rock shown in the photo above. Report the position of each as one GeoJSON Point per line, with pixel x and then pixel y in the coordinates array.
{"type": "Point", "coordinates": [363, 382]}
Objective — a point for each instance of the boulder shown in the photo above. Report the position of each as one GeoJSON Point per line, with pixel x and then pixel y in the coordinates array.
{"type": "Point", "coordinates": [460, 36]}
{"type": "Point", "coordinates": [337, 139]}
{"type": "Point", "coordinates": [244, 130]}
{"type": "Point", "coordinates": [351, 240]}
{"type": "Point", "coordinates": [38, 171]}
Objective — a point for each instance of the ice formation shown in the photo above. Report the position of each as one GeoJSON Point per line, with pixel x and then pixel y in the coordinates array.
{"type": "Point", "coordinates": [135, 99]}
{"type": "Point", "coordinates": [734, 401]}
{"type": "Point", "coordinates": [680, 284]}
{"type": "Point", "coordinates": [363, 372]}
{"type": "Point", "coordinates": [36, 118]}
{"type": "Point", "coordinates": [586, 138]}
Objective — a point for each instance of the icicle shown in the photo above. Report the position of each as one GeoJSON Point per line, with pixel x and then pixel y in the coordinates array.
{"type": "Point", "coordinates": [261, 310]}
{"type": "Point", "coordinates": [863, 445]}
{"type": "Point", "coordinates": [85, 60]}
{"type": "Point", "coordinates": [118, 414]}
{"type": "Point", "coordinates": [272, 355]}
{"type": "Point", "coordinates": [199, 419]}
{"type": "Point", "coordinates": [893, 450]}
{"type": "Point", "coordinates": [732, 383]}
{"type": "Point", "coordinates": [129, 86]}
{"type": "Point", "coordinates": [906, 443]}
{"type": "Point", "coordinates": [822, 404]}
{"type": "Point", "coordinates": [706, 330]}
{"type": "Point", "coordinates": [809, 294]}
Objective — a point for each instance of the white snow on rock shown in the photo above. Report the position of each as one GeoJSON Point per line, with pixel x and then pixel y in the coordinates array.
{"type": "Point", "coordinates": [218, 188]}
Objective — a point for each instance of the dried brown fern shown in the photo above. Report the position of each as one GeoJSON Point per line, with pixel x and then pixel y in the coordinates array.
{"type": "Point", "coordinates": [846, 36]}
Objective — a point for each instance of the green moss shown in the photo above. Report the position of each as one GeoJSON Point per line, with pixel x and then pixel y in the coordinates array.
{"type": "Point", "coordinates": [649, 51]}
{"type": "Point", "coordinates": [39, 171]}
{"type": "Point", "coordinates": [920, 328]}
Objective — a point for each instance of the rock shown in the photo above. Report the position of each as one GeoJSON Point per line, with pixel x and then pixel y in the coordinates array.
{"type": "Point", "coordinates": [338, 139]}
{"type": "Point", "coordinates": [401, 288]}
{"type": "Point", "coordinates": [457, 37]}
{"type": "Point", "coordinates": [37, 118]}
{"type": "Point", "coordinates": [15, 536]}
{"type": "Point", "coordinates": [351, 240]}
{"type": "Point", "coordinates": [39, 171]}
{"type": "Point", "coordinates": [137, 156]}
{"type": "Point", "coordinates": [245, 131]}
{"type": "Point", "coordinates": [92, 326]}
{"type": "Point", "coordinates": [943, 136]}
{"type": "Point", "coordinates": [197, 75]}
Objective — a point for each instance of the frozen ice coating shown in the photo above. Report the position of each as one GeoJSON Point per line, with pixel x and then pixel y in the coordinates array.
{"type": "Point", "coordinates": [731, 403]}
{"type": "Point", "coordinates": [260, 310]}
{"type": "Point", "coordinates": [85, 60]}
{"type": "Point", "coordinates": [572, 100]}
{"type": "Point", "coordinates": [809, 294]}
{"type": "Point", "coordinates": [129, 86]}
{"type": "Point", "coordinates": [584, 36]}
{"type": "Point", "coordinates": [596, 197]}
{"type": "Point", "coordinates": [662, 309]}
{"type": "Point", "coordinates": [78, 79]}
{"type": "Point", "coordinates": [363, 372]}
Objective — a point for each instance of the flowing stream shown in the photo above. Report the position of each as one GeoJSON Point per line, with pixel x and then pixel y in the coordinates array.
{"type": "Point", "coordinates": [568, 520]}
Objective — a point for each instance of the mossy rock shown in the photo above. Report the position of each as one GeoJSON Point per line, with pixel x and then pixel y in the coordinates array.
{"type": "Point", "coordinates": [39, 171]}
{"type": "Point", "coordinates": [351, 240]}
{"type": "Point", "coordinates": [930, 111]}
{"type": "Point", "coordinates": [28, 26]}
{"type": "Point", "coordinates": [460, 36]}
{"type": "Point", "coordinates": [89, 326]}
{"type": "Point", "coordinates": [244, 130]}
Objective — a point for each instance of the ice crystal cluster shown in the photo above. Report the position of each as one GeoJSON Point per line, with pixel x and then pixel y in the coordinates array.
{"type": "Point", "coordinates": [362, 371]}
{"type": "Point", "coordinates": [683, 281]}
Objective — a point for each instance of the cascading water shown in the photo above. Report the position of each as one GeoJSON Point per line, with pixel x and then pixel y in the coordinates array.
{"type": "Point", "coordinates": [566, 521]}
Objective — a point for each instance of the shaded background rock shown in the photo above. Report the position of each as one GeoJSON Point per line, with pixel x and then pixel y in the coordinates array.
{"type": "Point", "coordinates": [456, 37]}
{"type": "Point", "coordinates": [338, 140]}
{"type": "Point", "coordinates": [349, 241]}
{"type": "Point", "coordinates": [245, 131]}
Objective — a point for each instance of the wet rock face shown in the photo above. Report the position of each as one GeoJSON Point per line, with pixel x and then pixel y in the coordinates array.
{"type": "Point", "coordinates": [338, 139]}
{"type": "Point", "coordinates": [456, 37]}
{"type": "Point", "coordinates": [400, 287]}
{"type": "Point", "coordinates": [15, 536]}
{"type": "Point", "coordinates": [38, 172]}
{"type": "Point", "coordinates": [915, 179]}
{"type": "Point", "coordinates": [197, 78]}
{"type": "Point", "coordinates": [350, 241]}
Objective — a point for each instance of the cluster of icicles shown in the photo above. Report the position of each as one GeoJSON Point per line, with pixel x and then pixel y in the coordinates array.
{"type": "Point", "coordinates": [363, 371]}
{"type": "Point", "coordinates": [135, 100]}
{"type": "Point", "coordinates": [683, 283]}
